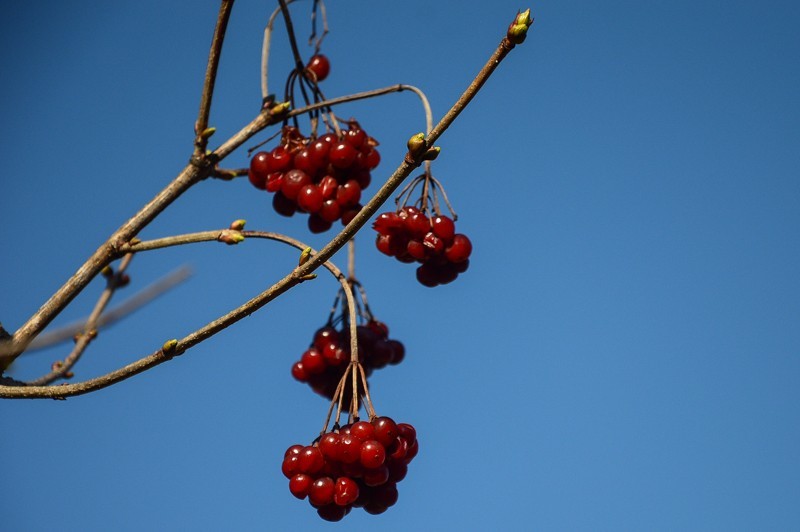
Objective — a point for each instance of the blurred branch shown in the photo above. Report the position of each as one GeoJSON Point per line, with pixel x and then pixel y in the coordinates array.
{"type": "Point", "coordinates": [84, 338]}
{"type": "Point", "coordinates": [149, 293]}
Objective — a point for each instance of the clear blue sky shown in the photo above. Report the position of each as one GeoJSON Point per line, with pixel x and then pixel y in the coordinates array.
{"type": "Point", "coordinates": [623, 354]}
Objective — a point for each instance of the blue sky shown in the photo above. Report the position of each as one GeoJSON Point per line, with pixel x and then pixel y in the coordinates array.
{"type": "Point", "coordinates": [623, 353]}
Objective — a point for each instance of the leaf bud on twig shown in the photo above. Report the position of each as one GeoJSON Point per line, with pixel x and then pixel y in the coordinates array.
{"type": "Point", "coordinates": [416, 145]}
{"type": "Point", "coordinates": [431, 154]}
{"type": "Point", "coordinates": [169, 346]}
{"type": "Point", "coordinates": [237, 225]}
{"type": "Point", "coordinates": [230, 237]}
{"type": "Point", "coordinates": [518, 30]}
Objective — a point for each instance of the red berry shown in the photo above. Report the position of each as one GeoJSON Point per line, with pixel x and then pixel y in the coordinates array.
{"type": "Point", "coordinates": [316, 224]}
{"type": "Point", "coordinates": [291, 465]}
{"type": "Point", "coordinates": [328, 186]}
{"type": "Point", "coordinates": [418, 225]}
{"type": "Point", "coordinates": [433, 243]}
{"type": "Point", "coordinates": [299, 372]}
{"type": "Point", "coordinates": [320, 66]}
{"type": "Point", "coordinates": [259, 169]}
{"type": "Point", "coordinates": [330, 210]}
{"type": "Point", "coordinates": [346, 491]}
{"type": "Point", "coordinates": [310, 198]}
{"type": "Point", "coordinates": [372, 454]}
{"type": "Point", "coordinates": [274, 181]}
{"type": "Point", "coordinates": [300, 484]}
{"type": "Point", "coordinates": [281, 159]}
{"type": "Point", "coordinates": [387, 223]}
{"type": "Point", "coordinates": [283, 205]}
{"type": "Point", "coordinates": [373, 159]}
{"type": "Point", "coordinates": [342, 155]}
{"type": "Point", "coordinates": [349, 448]}
{"type": "Point", "coordinates": [377, 476]}
{"type": "Point", "coordinates": [311, 460]}
{"type": "Point", "coordinates": [304, 162]}
{"type": "Point", "coordinates": [318, 152]}
{"type": "Point", "coordinates": [293, 181]}
{"type": "Point", "coordinates": [333, 512]}
{"type": "Point", "coordinates": [328, 445]}
{"type": "Point", "coordinates": [398, 350]}
{"type": "Point", "coordinates": [443, 227]}
{"type": "Point", "coordinates": [321, 491]}
{"type": "Point", "coordinates": [355, 137]}
{"type": "Point", "coordinates": [363, 430]}
{"type": "Point", "coordinates": [407, 432]}
{"type": "Point", "coordinates": [324, 336]}
{"type": "Point", "coordinates": [459, 250]}
{"type": "Point", "coordinates": [385, 430]}
{"type": "Point", "coordinates": [312, 361]}
{"type": "Point", "coordinates": [348, 194]}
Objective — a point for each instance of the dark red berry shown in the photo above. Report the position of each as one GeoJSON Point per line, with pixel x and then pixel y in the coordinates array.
{"type": "Point", "coordinates": [320, 66]}
{"type": "Point", "coordinates": [443, 227]}
{"type": "Point", "coordinates": [373, 454]}
{"type": "Point", "coordinates": [346, 491]}
{"type": "Point", "coordinates": [293, 181]}
{"type": "Point", "coordinates": [283, 205]}
{"type": "Point", "coordinates": [317, 224]}
{"type": "Point", "coordinates": [321, 491]}
{"type": "Point", "coordinates": [310, 198]}
{"type": "Point", "coordinates": [300, 484]}
{"type": "Point", "coordinates": [342, 155]}
{"type": "Point", "coordinates": [459, 250]}
{"type": "Point", "coordinates": [385, 430]}
{"type": "Point", "coordinates": [311, 460]}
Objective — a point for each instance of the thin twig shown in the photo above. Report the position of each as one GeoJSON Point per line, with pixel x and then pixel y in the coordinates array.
{"type": "Point", "coordinates": [201, 125]}
{"type": "Point", "coordinates": [290, 30]}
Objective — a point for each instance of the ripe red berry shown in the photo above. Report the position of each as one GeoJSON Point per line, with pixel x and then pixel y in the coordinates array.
{"type": "Point", "coordinates": [459, 250]}
{"type": "Point", "coordinates": [346, 491]}
{"type": "Point", "coordinates": [363, 430]}
{"type": "Point", "coordinates": [373, 454]}
{"type": "Point", "coordinates": [311, 460]}
{"type": "Point", "coordinates": [443, 227]}
{"type": "Point", "coordinates": [320, 66]}
{"type": "Point", "coordinates": [348, 194]}
{"type": "Point", "coordinates": [321, 491]}
{"type": "Point", "coordinates": [293, 181]}
{"type": "Point", "coordinates": [342, 155]}
{"type": "Point", "coordinates": [299, 372]}
{"type": "Point", "coordinates": [300, 484]}
{"type": "Point", "coordinates": [310, 198]}
{"type": "Point", "coordinates": [312, 361]}
{"type": "Point", "coordinates": [385, 430]}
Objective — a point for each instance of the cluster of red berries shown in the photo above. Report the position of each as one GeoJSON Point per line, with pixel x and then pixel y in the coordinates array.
{"type": "Point", "coordinates": [410, 235]}
{"type": "Point", "coordinates": [322, 176]}
{"type": "Point", "coordinates": [357, 466]}
{"type": "Point", "coordinates": [323, 364]}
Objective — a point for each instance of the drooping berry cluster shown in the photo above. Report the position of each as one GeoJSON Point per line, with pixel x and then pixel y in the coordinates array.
{"type": "Point", "coordinates": [323, 364]}
{"type": "Point", "coordinates": [410, 235]}
{"type": "Point", "coordinates": [358, 465]}
{"type": "Point", "coordinates": [322, 176]}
